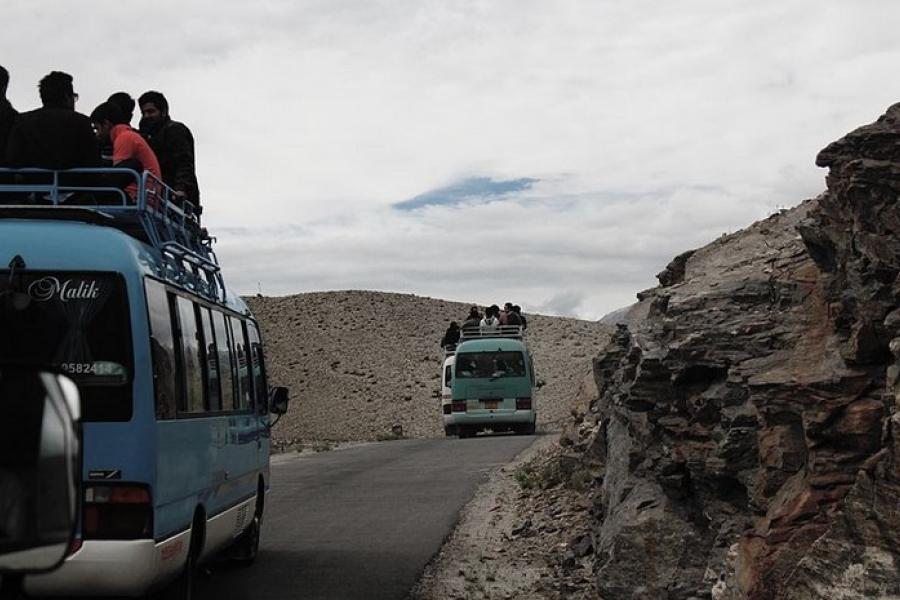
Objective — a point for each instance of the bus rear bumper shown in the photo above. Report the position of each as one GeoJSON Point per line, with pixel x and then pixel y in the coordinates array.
{"type": "Point", "coordinates": [114, 568]}
{"type": "Point", "coordinates": [486, 419]}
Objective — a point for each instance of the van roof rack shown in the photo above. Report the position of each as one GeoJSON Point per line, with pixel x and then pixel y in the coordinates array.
{"type": "Point", "coordinates": [497, 331]}
{"type": "Point", "coordinates": [153, 216]}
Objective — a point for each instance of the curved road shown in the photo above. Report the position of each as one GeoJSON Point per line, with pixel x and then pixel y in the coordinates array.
{"type": "Point", "coordinates": [361, 522]}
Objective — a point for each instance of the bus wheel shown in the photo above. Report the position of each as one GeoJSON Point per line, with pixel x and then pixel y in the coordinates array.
{"type": "Point", "coordinates": [246, 547]}
{"type": "Point", "coordinates": [184, 587]}
{"type": "Point", "coordinates": [464, 431]}
{"type": "Point", "coordinates": [448, 431]}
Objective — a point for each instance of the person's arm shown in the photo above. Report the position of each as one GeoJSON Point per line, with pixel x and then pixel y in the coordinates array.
{"type": "Point", "coordinates": [183, 152]}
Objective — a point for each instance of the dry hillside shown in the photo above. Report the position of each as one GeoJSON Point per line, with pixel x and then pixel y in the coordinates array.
{"type": "Point", "coordinates": [359, 362]}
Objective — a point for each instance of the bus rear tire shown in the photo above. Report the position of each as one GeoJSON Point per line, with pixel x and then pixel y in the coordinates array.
{"type": "Point", "coordinates": [184, 587]}
{"type": "Point", "coordinates": [464, 431]}
{"type": "Point", "coordinates": [246, 546]}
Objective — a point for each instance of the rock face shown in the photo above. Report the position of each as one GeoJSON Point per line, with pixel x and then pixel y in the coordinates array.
{"type": "Point", "coordinates": [747, 435]}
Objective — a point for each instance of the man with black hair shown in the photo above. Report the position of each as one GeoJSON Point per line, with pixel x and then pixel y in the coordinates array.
{"type": "Point", "coordinates": [173, 144]}
{"type": "Point", "coordinates": [129, 150]}
{"type": "Point", "coordinates": [8, 115]}
{"type": "Point", "coordinates": [53, 136]}
{"type": "Point", "coordinates": [125, 103]}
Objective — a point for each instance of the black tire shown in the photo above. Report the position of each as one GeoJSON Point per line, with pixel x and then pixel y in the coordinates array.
{"type": "Point", "coordinates": [184, 586]}
{"type": "Point", "coordinates": [246, 547]}
{"type": "Point", "coordinates": [448, 431]}
{"type": "Point", "coordinates": [464, 431]}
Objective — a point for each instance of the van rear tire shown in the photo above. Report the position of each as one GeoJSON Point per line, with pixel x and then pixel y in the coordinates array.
{"type": "Point", "coordinates": [464, 431]}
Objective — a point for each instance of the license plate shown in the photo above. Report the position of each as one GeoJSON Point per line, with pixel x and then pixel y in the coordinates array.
{"type": "Point", "coordinates": [491, 404]}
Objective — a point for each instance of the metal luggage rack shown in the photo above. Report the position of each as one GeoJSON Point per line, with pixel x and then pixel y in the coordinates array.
{"type": "Point", "coordinates": [500, 331]}
{"type": "Point", "coordinates": [152, 216]}
{"type": "Point", "coordinates": [515, 332]}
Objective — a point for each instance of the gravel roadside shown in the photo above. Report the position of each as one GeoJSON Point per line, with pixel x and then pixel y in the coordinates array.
{"type": "Point", "coordinates": [524, 535]}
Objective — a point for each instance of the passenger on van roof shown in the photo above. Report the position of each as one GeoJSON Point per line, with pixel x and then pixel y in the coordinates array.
{"type": "Point", "coordinates": [451, 336]}
{"type": "Point", "coordinates": [8, 115]}
{"type": "Point", "coordinates": [472, 322]}
{"type": "Point", "coordinates": [513, 318]}
{"type": "Point", "coordinates": [490, 323]}
{"type": "Point", "coordinates": [53, 136]}
{"type": "Point", "coordinates": [518, 310]}
{"type": "Point", "coordinates": [173, 144]}
{"type": "Point", "coordinates": [129, 150]}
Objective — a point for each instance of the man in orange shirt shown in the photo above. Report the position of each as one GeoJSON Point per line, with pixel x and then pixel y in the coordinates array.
{"type": "Point", "coordinates": [129, 149]}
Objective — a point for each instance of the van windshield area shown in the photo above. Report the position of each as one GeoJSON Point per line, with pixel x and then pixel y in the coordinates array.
{"type": "Point", "coordinates": [470, 365]}
{"type": "Point", "coordinates": [77, 323]}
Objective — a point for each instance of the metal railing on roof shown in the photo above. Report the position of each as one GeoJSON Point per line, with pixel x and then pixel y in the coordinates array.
{"type": "Point", "coordinates": [487, 331]}
{"type": "Point", "coordinates": [137, 203]}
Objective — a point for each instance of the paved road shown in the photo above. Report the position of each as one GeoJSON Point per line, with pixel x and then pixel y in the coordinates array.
{"type": "Point", "coordinates": [361, 522]}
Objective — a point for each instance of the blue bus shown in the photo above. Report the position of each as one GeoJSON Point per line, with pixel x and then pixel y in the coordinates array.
{"type": "Point", "coordinates": [125, 295]}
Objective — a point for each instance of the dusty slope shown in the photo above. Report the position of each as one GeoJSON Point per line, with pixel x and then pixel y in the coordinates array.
{"type": "Point", "coordinates": [359, 362]}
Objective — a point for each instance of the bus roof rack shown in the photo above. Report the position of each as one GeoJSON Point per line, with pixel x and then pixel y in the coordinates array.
{"type": "Point", "coordinates": [153, 216]}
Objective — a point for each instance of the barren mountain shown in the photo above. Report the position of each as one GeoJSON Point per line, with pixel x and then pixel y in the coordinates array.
{"type": "Point", "coordinates": [358, 363]}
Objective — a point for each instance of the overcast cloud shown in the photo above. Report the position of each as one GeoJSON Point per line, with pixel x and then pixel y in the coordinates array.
{"type": "Point", "coordinates": [552, 154]}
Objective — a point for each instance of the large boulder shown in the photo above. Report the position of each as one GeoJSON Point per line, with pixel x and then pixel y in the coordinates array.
{"type": "Point", "coordinates": [748, 428]}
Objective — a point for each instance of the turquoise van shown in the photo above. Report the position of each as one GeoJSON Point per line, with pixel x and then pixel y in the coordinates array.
{"type": "Point", "coordinates": [489, 383]}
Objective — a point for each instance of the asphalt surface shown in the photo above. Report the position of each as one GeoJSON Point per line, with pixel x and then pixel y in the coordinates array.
{"type": "Point", "coordinates": [361, 522]}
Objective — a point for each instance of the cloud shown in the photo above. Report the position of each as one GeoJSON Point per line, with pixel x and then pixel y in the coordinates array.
{"type": "Point", "coordinates": [473, 190]}
{"type": "Point", "coordinates": [643, 128]}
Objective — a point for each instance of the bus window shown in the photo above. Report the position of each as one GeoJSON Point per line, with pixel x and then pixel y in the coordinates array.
{"type": "Point", "coordinates": [162, 346]}
{"type": "Point", "coordinates": [223, 345]}
{"type": "Point", "coordinates": [244, 381]}
{"type": "Point", "coordinates": [192, 358]}
{"type": "Point", "coordinates": [64, 319]}
{"type": "Point", "coordinates": [259, 370]}
{"type": "Point", "coordinates": [211, 359]}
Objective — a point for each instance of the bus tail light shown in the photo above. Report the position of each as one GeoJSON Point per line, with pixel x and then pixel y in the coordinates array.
{"type": "Point", "coordinates": [458, 406]}
{"type": "Point", "coordinates": [523, 403]}
{"type": "Point", "coordinates": [117, 512]}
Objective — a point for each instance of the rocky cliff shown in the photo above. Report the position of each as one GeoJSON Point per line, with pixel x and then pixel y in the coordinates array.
{"type": "Point", "coordinates": [746, 436]}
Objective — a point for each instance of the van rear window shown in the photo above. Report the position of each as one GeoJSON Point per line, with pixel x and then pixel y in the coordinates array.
{"type": "Point", "coordinates": [78, 323]}
{"type": "Point", "coordinates": [490, 364]}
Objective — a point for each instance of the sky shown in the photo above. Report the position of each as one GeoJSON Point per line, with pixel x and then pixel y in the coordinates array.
{"type": "Point", "coordinates": [554, 154]}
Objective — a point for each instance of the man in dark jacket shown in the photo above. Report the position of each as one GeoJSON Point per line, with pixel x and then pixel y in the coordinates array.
{"type": "Point", "coordinates": [7, 115]}
{"type": "Point", "coordinates": [54, 136]}
{"type": "Point", "coordinates": [173, 144]}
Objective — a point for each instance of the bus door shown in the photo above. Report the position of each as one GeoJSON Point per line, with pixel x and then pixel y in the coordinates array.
{"type": "Point", "coordinates": [257, 371]}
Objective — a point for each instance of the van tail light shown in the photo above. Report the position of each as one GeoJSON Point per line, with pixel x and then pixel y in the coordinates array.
{"type": "Point", "coordinates": [458, 406]}
{"type": "Point", "coordinates": [117, 512]}
{"type": "Point", "coordinates": [523, 403]}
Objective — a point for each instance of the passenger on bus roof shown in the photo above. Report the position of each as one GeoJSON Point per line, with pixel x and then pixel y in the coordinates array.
{"type": "Point", "coordinates": [129, 150]}
{"type": "Point", "coordinates": [451, 336]}
{"type": "Point", "coordinates": [173, 144]}
{"type": "Point", "coordinates": [8, 115]}
{"type": "Point", "coordinates": [53, 136]}
{"type": "Point", "coordinates": [126, 104]}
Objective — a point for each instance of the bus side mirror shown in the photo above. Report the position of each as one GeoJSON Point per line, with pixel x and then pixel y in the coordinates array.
{"type": "Point", "coordinates": [40, 469]}
{"type": "Point", "coordinates": [278, 400]}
